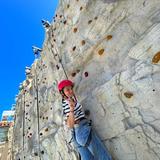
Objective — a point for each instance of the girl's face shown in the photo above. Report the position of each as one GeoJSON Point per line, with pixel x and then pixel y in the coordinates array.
{"type": "Point", "coordinates": [68, 91]}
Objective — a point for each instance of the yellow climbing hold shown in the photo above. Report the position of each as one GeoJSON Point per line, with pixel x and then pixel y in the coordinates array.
{"type": "Point", "coordinates": [109, 37]}
{"type": "Point", "coordinates": [101, 51]}
{"type": "Point", "coordinates": [128, 94]}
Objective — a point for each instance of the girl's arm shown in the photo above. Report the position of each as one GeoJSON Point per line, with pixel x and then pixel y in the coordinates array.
{"type": "Point", "coordinates": [70, 120]}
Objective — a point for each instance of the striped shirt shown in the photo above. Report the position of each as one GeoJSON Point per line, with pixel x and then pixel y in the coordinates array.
{"type": "Point", "coordinates": [78, 110]}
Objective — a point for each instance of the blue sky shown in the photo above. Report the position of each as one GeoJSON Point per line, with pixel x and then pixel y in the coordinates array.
{"type": "Point", "coordinates": [20, 28]}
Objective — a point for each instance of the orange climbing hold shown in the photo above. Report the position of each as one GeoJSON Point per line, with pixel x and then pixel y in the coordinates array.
{"type": "Point", "coordinates": [46, 130]}
{"type": "Point", "coordinates": [128, 94]}
{"type": "Point", "coordinates": [156, 57]}
{"type": "Point", "coordinates": [75, 30]}
{"type": "Point", "coordinates": [83, 42]}
{"type": "Point", "coordinates": [101, 51]}
{"type": "Point", "coordinates": [109, 37]}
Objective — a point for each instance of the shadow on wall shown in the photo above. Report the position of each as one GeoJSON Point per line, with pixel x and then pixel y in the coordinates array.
{"type": "Point", "coordinates": [109, 1]}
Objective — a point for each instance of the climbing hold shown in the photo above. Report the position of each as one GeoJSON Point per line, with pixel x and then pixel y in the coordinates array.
{"type": "Point", "coordinates": [90, 21]}
{"type": "Point", "coordinates": [51, 108]}
{"type": "Point", "coordinates": [29, 127]}
{"type": "Point", "coordinates": [83, 42]}
{"type": "Point", "coordinates": [109, 37]}
{"type": "Point", "coordinates": [81, 8]}
{"type": "Point", "coordinates": [46, 117]}
{"type": "Point", "coordinates": [62, 42]}
{"type": "Point", "coordinates": [87, 112]}
{"type": "Point", "coordinates": [39, 101]}
{"type": "Point", "coordinates": [78, 70]}
{"type": "Point", "coordinates": [156, 57]}
{"type": "Point", "coordinates": [101, 51]}
{"type": "Point", "coordinates": [68, 5]}
{"type": "Point", "coordinates": [73, 74]}
{"type": "Point", "coordinates": [153, 90]}
{"type": "Point", "coordinates": [57, 66]}
{"type": "Point", "coordinates": [60, 16]}
{"type": "Point", "coordinates": [46, 130]}
{"type": "Point", "coordinates": [36, 154]}
{"type": "Point", "coordinates": [128, 94]}
{"type": "Point", "coordinates": [86, 74]}
{"type": "Point", "coordinates": [41, 134]}
{"type": "Point", "coordinates": [74, 48]}
{"type": "Point", "coordinates": [75, 30]}
{"type": "Point", "coordinates": [95, 18]}
{"type": "Point", "coordinates": [42, 152]}
{"type": "Point", "coordinates": [30, 134]}
{"type": "Point", "coordinates": [65, 22]}
{"type": "Point", "coordinates": [54, 40]}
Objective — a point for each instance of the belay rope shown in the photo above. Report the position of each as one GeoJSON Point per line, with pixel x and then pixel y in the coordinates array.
{"type": "Point", "coordinates": [23, 119]}
{"type": "Point", "coordinates": [37, 98]}
{"type": "Point", "coordinates": [59, 59]}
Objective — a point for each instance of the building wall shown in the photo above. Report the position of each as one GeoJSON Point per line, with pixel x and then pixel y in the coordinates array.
{"type": "Point", "coordinates": [110, 49]}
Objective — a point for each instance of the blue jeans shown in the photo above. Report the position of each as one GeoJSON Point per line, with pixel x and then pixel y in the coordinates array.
{"type": "Point", "coordinates": [95, 150]}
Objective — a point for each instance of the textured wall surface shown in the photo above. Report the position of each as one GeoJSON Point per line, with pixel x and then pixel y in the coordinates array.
{"type": "Point", "coordinates": [110, 49]}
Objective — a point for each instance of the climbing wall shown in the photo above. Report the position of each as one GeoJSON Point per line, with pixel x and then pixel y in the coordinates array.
{"type": "Point", "coordinates": [110, 49]}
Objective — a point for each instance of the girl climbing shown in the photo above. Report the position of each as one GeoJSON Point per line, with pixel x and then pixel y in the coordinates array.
{"type": "Point", "coordinates": [84, 137]}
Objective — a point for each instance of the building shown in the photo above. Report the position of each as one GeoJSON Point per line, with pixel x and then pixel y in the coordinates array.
{"type": "Point", "coordinates": [6, 125]}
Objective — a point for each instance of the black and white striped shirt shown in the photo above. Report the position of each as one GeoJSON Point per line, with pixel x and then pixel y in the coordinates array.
{"type": "Point", "coordinates": [78, 110]}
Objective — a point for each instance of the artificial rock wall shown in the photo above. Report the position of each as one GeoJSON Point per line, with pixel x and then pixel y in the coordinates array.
{"type": "Point", "coordinates": [110, 49]}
